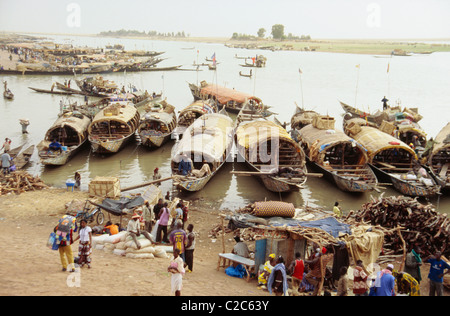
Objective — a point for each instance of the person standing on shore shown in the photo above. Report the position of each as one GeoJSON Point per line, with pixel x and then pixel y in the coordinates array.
{"type": "Point", "coordinates": [163, 216]}
{"type": "Point", "coordinates": [84, 248]}
{"type": "Point", "coordinates": [190, 247]}
{"type": "Point", "coordinates": [413, 263]}
{"type": "Point", "coordinates": [176, 268]}
{"type": "Point", "coordinates": [178, 239]}
{"type": "Point", "coordinates": [64, 230]}
{"type": "Point", "coordinates": [360, 286]}
{"type": "Point", "coordinates": [6, 162]}
{"type": "Point", "coordinates": [385, 282]}
{"type": "Point", "coordinates": [436, 274]}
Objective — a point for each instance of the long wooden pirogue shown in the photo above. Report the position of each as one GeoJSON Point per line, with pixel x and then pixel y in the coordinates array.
{"type": "Point", "coordinates": [157, 125]}
{"type": "Point", "coordinates": [338, 157]}
{"type": "Point", "coordinates": [270, 152]}
{"type": "Point", "coordinates": [71, 131]}
{"type": "Point", "coordinates": [393, 161]}
{"type": "Point", "coordinates": [205, 146]}
{"type": "Point", "coordinates": [113, 127]}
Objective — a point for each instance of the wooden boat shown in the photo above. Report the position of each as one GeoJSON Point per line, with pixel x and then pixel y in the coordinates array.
{"type": "Point", "coordinates": [376, 118]}
{"type": "Point", "coordinates": [195, 110]}
{"type": "Point", "coordinates": [51, 92]}
{"type": "Point", "coordinates": [246, 75]}
{"type": "Point", "coordinates": [403, 124]}
{"type": "Point", "coordinates": [22, 159]}
{"type": "Point", "coordinates": [157, 125]}
{"type": "Point", "coordinates": [113, 127]}
{"type": "Point", "coordinates": [97, 86]}
{"type": "Point", "coordinates": [393, 161]}
{"type": "Point", "coordinates": [300, 119]}
{"type": "Point", "coordinates": [439, 159]}
{"type": "Point", "coordinates": [232, 100]}
{"type": "Point", "coordinates": [206, 145]}
{"type": "Point", "coordinates": [15, 151]}
{"type": "Point", "coordinates": [341, 159]}
{"type": "Point", "coordinates": [7, 94]}
{"type": "Point", "coordinates": [70, 130]}
{"type": "Point", "coordinates": [270, 152]}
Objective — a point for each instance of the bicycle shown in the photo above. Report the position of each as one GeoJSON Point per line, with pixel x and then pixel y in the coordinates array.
{"type": "Point", "coordinates": [89, 214]}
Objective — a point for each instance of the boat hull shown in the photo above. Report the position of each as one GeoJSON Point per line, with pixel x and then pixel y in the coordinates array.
{"type": "Point", "coordinates": [154, 141]}
{"type": "Point", "coordinates": [60, 160]}
{"type": "Point", "coordinates": [109, 146]}
{"type": "Point", "coordinates": [405, 187]}
{"type": "Point", "coordinates": [343, 183]}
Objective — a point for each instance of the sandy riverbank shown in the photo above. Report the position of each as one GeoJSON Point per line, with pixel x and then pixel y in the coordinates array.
{"type": "Point", "coordinates": [30, 268]}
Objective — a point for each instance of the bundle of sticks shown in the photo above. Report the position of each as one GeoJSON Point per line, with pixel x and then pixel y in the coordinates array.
{"type": "Point", "coordinates": [419, 224]}
{"type": "Point", "coordinates": [19, 182]}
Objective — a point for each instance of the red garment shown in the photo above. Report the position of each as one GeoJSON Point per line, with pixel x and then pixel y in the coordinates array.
{"type": "Point", "coordinates": [359, 281]}
{"type": "Point", "coordinates": [299, 269]}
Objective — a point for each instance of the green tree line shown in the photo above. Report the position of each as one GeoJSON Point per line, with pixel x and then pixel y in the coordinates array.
{"type": "Point", "coordinates": [276, 33]}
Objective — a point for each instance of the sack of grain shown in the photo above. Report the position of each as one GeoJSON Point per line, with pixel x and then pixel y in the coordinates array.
{"type": "Point", "coordinates": [99, 247]}
{"type": "Point", "coordinates": [109, 248]}
{"type": "Point", "coordinates": [140, 255]}
{"type": "Point", "coordinates": [99, 240]}
{"type": "Point", "coordinates": [160, 253]}
{"type": "Point", "coordinates": [119, 252]}
{"type": "Point", "coordinates": [144, 243]}
{"type": "Point", "coordinates": [121, 245]}
{"type": "Point", "coordinates": [142, 250]}
{"type": "Point", "coordinates": [114, 239]}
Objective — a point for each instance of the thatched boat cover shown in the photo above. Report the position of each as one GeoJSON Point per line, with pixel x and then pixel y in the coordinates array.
{"type": "Point", "coordinates": [77, 123]}
{"type": "Point", "coordinates": [126, 114]}
{"type": "Point", "coordinates": [442, 141]}
{"type": "Point", "coordinates": [327, 139]}
{"type": "Point", "coordinates": [376, 141]}
{"type": "Point", "coordinates": [199, 106]}
{"type": "Point", "coordinates": [256, 132]}
{"type": "Point", "coordinates": [225, 95]}
{"type": "Point", "coordinates": [207, 138]}
{"type": "Point", "coordinates": [165, 114]}
{"type": "Point", "coordinates": [302, 117]}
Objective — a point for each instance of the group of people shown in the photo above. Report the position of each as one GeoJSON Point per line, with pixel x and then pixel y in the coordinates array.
{"type": "Point", "coordinates": [306, 275]}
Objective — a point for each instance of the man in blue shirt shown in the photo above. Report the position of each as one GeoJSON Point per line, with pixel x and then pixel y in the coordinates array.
{"type": "Point", "coordinates": [385, 282]}
{"type": "Point", "coordinates": [185, 165]}
{"type": "Point", "coordinates": [436, 275]}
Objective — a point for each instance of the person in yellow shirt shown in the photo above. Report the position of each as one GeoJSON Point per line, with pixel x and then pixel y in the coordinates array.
{"type": "Point", "coordinates": [337, 210]}
{"type": "Point", "coordinates": [268, 266]}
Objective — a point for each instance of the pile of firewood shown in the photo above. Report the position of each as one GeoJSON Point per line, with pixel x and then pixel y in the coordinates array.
{"type": "Point", "coordinates": [20, 181]}
{"type": "Point", "coordinates": [419, 224]}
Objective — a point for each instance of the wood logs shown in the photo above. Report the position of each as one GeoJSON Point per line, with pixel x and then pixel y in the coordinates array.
{"type": "Point", "coordinates": [19, 182]}
{"type": "Point", "coordinates": [420, 224]}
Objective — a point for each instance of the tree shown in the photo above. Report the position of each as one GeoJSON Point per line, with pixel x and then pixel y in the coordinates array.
{"type": "Point", "coordinates": [261, 32]}
{"type": "Point", "coordinates": [278, 31]}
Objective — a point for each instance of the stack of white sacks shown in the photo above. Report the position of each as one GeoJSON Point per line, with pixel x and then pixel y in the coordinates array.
{"type": "Point", "coordinates": [123, 245]}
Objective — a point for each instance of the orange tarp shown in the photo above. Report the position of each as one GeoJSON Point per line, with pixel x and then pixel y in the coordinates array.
{"type": "Point", "coordinates": [225, 95]}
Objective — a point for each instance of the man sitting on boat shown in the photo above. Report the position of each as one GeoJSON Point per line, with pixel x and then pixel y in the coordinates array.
{"type": "Point", "coordinates": [185, 166]}
{"type": "Point", "coordinates": [205, 170]}
{"type": "Point", "coordinates": [55, 146]}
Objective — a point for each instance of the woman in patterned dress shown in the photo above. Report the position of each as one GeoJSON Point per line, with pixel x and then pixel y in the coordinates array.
{"type": "Point", "coordinates": [84, 248]}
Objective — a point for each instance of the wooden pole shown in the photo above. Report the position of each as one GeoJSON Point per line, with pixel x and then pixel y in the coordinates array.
{"type": "Point", "coordinates": [402, 264]}
{"type": "Point", "coordinates": [145, 184]}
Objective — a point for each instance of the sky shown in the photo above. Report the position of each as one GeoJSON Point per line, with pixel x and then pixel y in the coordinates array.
{"type": "Point", "coordinates": [369, 19]}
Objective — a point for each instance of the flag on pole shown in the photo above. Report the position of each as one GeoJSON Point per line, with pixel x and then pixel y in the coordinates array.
{"type": "Point", "coordinates": [300, 71]}
{"type": "Point", "coordinates": [357, 66]}
{"type": "Point", "coordinates": [214, 59]}
{"type": "Point", "coordinates": [388, 68]}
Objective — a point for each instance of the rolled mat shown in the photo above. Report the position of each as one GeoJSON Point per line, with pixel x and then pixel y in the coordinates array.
{"type": "Point", "coordinates": [274, 208]}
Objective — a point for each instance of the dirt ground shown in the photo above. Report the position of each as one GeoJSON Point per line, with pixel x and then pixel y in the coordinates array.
{"type": "Point", "coordinates": [28, 267]}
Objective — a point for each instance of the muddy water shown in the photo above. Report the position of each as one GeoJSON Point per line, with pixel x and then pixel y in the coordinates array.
{"type": "Point", "coordinates": [417, 81]}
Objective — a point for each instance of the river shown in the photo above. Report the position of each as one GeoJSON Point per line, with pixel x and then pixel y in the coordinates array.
{"type": "Point", "coordinates": [416, 81]}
